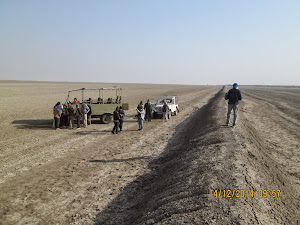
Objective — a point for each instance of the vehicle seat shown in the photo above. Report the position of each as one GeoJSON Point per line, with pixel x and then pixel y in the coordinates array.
{"type": "Point", "coordinates": [100, 101]}
{"type": "Point", "coordinates": [89, 100]}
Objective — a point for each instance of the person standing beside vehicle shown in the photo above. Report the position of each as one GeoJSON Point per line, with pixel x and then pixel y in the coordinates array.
{"type": "Point", "coordinates": [75, 101]}
{"type": "Point", "coordinates": [89, 115]}
{"type": "Point", "coordinates": [78, 115]}
{"type": "Point", "coordinates": [165, 110]}
{"type": "Point", "coordinates": [122, 115]}
{"type": "Point", "coordinates": [141, 116]}
{"type": "Point", "coordinates": [233, 96]}
{"type": "Point", "coordinates": [71, 113]}
{"type": "Point", "coordinates": [116, 116]}
{"type": "Point", "coordinates": [85, 109]}
{"type": "Point", "coordinates": [64, 117]}
{"type": "Point", "coordinates": [57, 114]}
{"type": "Point", "coordinates": [148, 110]}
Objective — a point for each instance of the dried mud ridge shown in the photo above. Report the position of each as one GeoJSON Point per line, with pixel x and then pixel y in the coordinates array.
{"type": "Point", "coordinates": [204, 155]}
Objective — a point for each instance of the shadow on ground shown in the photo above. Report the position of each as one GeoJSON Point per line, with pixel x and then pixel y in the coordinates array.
{"type": "Point", "coordinates": [101, 132]}
{"type": "Point", "coordinates": [91, 132]}
{"type": "Point", "coordinates": [45, 124]}
{"type": "Point", "coordinates": [33, 124]}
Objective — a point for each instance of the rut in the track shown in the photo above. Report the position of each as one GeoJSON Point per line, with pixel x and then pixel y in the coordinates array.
{"type": "Point", "coordinates": [177, 186]}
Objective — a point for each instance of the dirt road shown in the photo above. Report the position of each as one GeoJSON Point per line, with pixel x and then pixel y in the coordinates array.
{"type": "Point", "coordinates": [205, 155]}
{"type": "Point", "coordinates": [161, 175]}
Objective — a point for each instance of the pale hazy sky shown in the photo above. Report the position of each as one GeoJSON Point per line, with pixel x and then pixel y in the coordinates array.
{"type": "Point", "coordinates": [157, 41]}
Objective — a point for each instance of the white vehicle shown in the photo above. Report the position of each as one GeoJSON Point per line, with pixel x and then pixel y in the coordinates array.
{"type": "Point", "coordinates": [172, 102]}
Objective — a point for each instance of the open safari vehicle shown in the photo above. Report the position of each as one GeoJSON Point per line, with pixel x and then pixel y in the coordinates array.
{"type": "Point", "coordinates": [102, 101]}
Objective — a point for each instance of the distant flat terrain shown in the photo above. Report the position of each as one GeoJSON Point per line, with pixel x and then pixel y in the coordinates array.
{"type": "Point", "coordinates": [163, 174]}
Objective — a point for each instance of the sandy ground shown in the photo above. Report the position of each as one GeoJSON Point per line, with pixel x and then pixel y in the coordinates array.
{"type": "Point", "coordinates": [162, 175]}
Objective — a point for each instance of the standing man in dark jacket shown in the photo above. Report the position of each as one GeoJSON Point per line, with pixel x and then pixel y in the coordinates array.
{"type": "Point", "coordinates": [233, 96]}
{"type": "Point", "coordinates": [116, 121]}
{"type": "Point", "coordinates": [122, 115]}
{"type": "Point", "coordinates": [78, 115]}
{"type": "Point", "coordinates": [64, 117]}
{"type": "Point", "coordinates": [166, 111]}
{"type": "Point", "coordinates": [148, 110]}
{"type": "Point", "coordinates": [71, 113]}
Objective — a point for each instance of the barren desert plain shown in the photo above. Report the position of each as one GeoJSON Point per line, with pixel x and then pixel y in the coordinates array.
{"type": "Point", "coordinates": [189, 170]}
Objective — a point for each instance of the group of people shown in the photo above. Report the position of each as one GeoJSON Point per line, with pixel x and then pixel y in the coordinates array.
{"type": "Point", "coordinates": [144, 113]}
{"type": "Point", "coordinates": [65, 116]}
{"type": "Point", "coordinates": [118, 116]}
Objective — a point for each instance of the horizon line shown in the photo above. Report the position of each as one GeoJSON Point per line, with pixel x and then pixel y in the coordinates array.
{"type": "Point", "coordinates": [49, 81]}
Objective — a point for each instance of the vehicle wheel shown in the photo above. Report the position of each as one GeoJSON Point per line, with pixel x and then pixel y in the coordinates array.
{"type": "Point", "coordinates": [176, 112]}
{"type": "Point", "coordinates": [106, 118]}
{"type": "Point", "coordinates": [154, 115]}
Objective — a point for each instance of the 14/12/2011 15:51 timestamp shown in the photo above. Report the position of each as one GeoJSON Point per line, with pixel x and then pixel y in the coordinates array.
{"type": "Point", "coordinates": [244, 193]}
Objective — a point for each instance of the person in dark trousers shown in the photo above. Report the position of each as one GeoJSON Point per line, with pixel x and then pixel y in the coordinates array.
{"type": "Point", "coordinates": [71, 113]}
{"type": "Point", "coordinates": [64, 117]}
{"type": "Point", "coordinates": [57, 114]}
{"type": "Point", "coordinates": [233, 96]}
{"type": "Point", "coordinates": [116, 121]}
{"type": "Point", "coordinates": [78, 115]}
{"type": "Point", "coordinates": [122, 115]}
{"type": "Point", "coordinates": [89, 115]}
{"type": "Point", "coordinates": [166, 111]}
{"type": "Point", "coordinates": [148, 110]}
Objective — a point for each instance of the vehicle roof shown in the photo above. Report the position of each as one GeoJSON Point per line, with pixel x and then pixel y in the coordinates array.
{"type": "Point", "coordinates": [89, 89]}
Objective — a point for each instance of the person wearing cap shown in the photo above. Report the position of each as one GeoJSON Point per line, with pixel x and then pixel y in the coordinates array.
{"type": "Point", "coordinates": [233, 96]}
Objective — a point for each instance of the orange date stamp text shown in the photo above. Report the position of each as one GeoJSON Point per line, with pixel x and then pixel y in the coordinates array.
{"type": "Point", "coordinates": [244, 193]}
